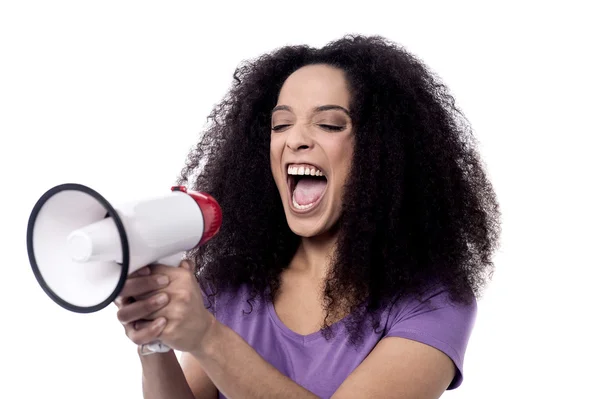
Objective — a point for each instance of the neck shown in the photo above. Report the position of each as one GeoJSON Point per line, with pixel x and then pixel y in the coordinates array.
{"type": "Point", "coordinates": [314, 254]}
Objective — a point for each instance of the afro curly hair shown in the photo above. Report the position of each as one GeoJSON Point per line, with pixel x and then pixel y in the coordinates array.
{"type": "Point", "coordinates": [418, 208]}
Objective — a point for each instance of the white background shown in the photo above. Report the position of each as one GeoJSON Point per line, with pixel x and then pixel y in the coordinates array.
{"type": "Point", "coordinates": [112, 94]}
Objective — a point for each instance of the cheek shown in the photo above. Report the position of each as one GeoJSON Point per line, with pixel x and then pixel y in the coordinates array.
{"type": "Point", "coordinates": [273, 154]}
{"type": "Point", "coordinates": [348, 153]}
{"type": "Point", "coordinates": [342, 155]}
{"type": "Point", "coordinates": [274, 168]}
{"type": "Point", "coordinates": [276, 146]}
{"type": "Point", "coordinates": [275, 158]}
{"type": "Point", "coordinates": [344, 162]}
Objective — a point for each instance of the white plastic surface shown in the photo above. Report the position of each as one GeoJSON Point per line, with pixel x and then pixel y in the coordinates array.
{"type": "Point", "coordinates": [161, 228]}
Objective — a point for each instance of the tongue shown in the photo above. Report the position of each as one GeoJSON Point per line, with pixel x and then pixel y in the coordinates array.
{"type": "Point", "coordinates": [308, 190]}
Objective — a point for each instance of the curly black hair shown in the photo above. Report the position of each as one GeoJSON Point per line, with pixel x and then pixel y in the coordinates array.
{"type": "Point", "coordinates": [418, 208]}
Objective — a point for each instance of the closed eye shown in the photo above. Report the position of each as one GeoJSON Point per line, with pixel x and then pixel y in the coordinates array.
{"type": "Point", "coordinates": [333, 128]}
{"type": "Point", "coordinates": [279, 127]}
{"type": "Point", "coordinates": [326, 127]}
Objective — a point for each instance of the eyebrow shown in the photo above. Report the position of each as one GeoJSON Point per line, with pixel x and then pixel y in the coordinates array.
{"type": "Point", "coordinates": [320, 108]}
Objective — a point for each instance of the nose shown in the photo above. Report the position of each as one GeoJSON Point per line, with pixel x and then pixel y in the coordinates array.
{"type": "Point", "coordinates": [299, 139]}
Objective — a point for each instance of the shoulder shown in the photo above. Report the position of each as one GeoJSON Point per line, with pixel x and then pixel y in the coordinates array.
{"type": "Point", "coordinates": [435, 304]}
{"type": "Point", "coordinates": [436, 320]}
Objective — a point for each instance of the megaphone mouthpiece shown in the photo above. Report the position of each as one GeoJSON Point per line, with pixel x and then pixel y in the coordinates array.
{"type": "Point", "coordinates": [80, 246]}
{"type": "Point", "coordinates": [98, 241]}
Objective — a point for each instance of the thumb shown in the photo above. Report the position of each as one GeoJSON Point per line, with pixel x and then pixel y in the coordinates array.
{"type": "Point", "coordinates": [186, 264]}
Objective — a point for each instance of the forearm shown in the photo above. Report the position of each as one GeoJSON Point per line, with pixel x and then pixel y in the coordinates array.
{"type": "Point", "coordinates": [238, 371]}
{"type": "Point", "coordinates": [162, 377]}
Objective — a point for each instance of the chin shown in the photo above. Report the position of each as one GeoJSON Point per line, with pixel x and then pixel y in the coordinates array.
{"type": "Point", "coordinates": [311, 227]}
{"type": "Point", "coordinates": [302, 230]}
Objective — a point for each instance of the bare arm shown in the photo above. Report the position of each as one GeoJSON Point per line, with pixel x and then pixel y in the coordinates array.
{"type": "Point", "coordinates": [164, 377]}
{"type": "Point", "coordinates": [397, 368]}
{"type": "Point", "coordinates": [238, 371]}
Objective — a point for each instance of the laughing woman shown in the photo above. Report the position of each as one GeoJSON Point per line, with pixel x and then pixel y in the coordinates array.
{"type": "Point", "coordinates": [358, 233]}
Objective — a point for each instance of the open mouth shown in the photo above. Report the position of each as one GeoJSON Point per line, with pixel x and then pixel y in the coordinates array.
{"type": "Point", "coordinates": [307, 185]}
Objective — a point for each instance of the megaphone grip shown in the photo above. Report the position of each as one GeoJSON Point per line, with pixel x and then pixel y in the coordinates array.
{"type": "Point", "coordinates": [154, 347]}
{"type": "Point", "coordinates": [157, 346]}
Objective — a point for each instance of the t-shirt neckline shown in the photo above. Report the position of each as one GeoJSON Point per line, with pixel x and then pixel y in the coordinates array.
{"type": "Point", "coordinates": [297, 336]}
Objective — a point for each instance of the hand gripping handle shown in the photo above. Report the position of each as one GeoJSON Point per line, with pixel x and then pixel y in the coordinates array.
{"type": "Point", "coordinates": [157, 346]}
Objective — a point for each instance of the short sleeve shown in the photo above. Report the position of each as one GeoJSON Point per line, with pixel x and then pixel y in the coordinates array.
{"type": "Point", "coordinates": [437, 322]}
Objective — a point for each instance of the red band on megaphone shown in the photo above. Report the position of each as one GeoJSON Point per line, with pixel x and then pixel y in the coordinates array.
{"type": "Point", "coordinates": [211, 212]}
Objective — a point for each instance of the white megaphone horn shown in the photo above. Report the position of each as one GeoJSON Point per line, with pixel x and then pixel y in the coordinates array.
{"type": "Point", "coordinates": [82, 249]}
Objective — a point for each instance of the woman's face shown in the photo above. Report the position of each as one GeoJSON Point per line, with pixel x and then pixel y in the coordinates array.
{"type": "Point", "coordinates": [312, 145]}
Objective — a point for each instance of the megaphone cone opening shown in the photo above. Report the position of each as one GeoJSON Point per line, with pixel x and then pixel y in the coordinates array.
{"type": "Point", "coordinates": [36, 262]}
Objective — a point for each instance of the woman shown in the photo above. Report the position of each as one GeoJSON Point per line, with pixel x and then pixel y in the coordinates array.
{"type": "Point", "coordinates": [358, 230]}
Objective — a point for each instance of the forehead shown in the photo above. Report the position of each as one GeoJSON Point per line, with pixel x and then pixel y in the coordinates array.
{"type": "Point", "coordinates": [315, 85]}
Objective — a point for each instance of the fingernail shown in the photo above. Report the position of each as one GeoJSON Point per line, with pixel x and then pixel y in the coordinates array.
{"type": "Point", "coordinates": [161, 322]}
{"type": "Point", "coordinates": [161, 299]}
{"type": "Point", "coordinates": [162, 281]}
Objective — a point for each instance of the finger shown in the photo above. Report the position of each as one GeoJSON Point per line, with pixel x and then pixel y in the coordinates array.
{"type": "Point", "coordinates": [143, 309]}
{"type": "Point", "coordinates": [141, 324]}
{"type": "Point", "coordinates": [171, 271]}
{"type": "Point", "coordinates": [137, 286]}
{"type": "Point", "coordinates": [144, 271]}
{"type": "Point", "coordinates": [147, 334]}
{"type": "Point", "coordinates": [120, 301]}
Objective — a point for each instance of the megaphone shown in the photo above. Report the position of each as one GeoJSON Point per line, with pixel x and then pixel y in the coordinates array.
{"type": "Point", "coordinates": [82, 248]}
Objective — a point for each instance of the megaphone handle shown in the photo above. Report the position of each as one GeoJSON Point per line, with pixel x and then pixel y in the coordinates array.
{"type": "Point", "coordinates": [154, 347]}
{"type": "Point", "coordinates": [157, 346]}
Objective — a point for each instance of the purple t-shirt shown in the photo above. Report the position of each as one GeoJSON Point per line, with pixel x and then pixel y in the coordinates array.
{"type": "Point", "coordinates": [321, 365]}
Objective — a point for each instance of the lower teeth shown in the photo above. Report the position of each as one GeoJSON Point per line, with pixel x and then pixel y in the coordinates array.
{"type": "Point", "coordinates": [298, 206]}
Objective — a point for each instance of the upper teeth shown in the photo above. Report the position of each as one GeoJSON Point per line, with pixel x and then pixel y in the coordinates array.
{"type": "Point", "coordinates": [304, 171]}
